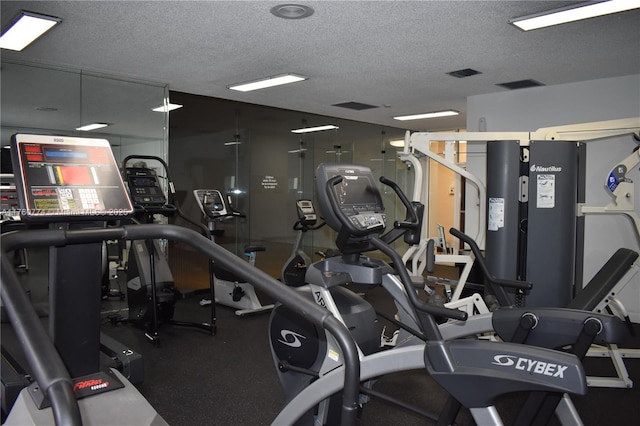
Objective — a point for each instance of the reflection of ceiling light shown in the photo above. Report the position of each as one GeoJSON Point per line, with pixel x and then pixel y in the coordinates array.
{"type": "Point", "coordinates": [436, 114]}
{"type": "Point", "coordinates": [267, 82]}
{"type": "Point", "coordinates": [233, 143]}
{"type": "Point", "coordinates": [314, 129]}
{"type": "Point", "coordinates": [92, 126]}
{"type": "Point", "coordinates": [573, 13]}
{"type": "Point", "coordinates": [167, 108]}
{"type": "Point", "coordinates": [398, 143]}
{"type": "Point", "coordinates": [26, 28]}
{"type": "Point", "coordinates": [295, 151]}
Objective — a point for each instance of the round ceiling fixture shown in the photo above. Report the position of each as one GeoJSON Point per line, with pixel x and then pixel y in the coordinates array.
{"type": "Point", "coordinates": [292, 11]}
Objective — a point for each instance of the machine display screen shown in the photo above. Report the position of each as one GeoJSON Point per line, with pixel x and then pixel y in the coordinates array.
{"type": "Point", "coordinates": [357, 191]}
{"type": "Point", "coordinates": [65, 178]}
{"type": "Point", "coordinates": [211, 202]}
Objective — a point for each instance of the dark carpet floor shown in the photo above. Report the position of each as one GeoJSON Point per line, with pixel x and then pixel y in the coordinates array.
{"type": "Point", "coordinates": [193, 378]}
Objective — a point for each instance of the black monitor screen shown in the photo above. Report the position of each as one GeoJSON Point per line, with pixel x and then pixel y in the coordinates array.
{"type": "Point", "coordinates": [356, 191]}
{"type": "Point", "coordinates": [67, 179]}
{"type": "Point", "coordinates": [5, 158]}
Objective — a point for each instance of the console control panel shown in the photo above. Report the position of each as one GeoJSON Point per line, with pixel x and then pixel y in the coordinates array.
{"type": "Point", "coordinates": [306, 212]}
{"type": "Point", "coordinates": [369, 220]}
{"type": "Point", "coordinates": [144, 187]}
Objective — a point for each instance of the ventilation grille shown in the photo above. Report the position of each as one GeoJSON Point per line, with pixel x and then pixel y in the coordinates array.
{"type": "Point", "coordinates": [355, 106]}
{"type": "Point", "coordinates": [521, 84]}
{"type": "Point", "coordinates": [467, 72]}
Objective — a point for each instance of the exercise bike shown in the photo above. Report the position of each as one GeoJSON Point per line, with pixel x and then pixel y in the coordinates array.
{"type": "Point", "coordinates": [229, 289]}
{"type": "Point", "coordinates": [309, 364]}
{"type": "Point", "coordinates": [295, 269]}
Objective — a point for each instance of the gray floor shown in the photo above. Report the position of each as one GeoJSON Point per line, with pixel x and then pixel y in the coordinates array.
{"type": "Point", "coordinates": [193, 378]}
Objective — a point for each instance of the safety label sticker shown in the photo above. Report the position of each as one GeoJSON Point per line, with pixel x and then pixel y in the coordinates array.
{"type": "Point", "coordinates": [546, 194]}
{"type": "Point", "coordinates": [496, 214]}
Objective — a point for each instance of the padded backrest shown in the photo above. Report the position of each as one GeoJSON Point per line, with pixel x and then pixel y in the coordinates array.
{"type": "Point", "coordinates": [606, 278]}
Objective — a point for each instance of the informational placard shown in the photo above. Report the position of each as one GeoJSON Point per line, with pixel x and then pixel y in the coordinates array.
{"type": "Point", "coordinates": [269, 183]}
{"type": "Point", "coordinates": [546, 191]}
{"type": "Point", "coordinates": [496, 214]}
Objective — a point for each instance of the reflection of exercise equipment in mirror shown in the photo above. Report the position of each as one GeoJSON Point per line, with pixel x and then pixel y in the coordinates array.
{"type": "Point", "coordinates": [149, 277]}
{"type": "Point", "coordinates": [293, 273]}
{"type": "Point", "coordinates": [229, 289]}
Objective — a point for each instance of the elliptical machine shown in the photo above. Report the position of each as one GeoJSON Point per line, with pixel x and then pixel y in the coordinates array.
{"type": "Point", "coordinates": [302, 352]}
{"type": "Point", "coordinates": [229, 289]}
{"type": "Point", "coordinates": [310, 365]}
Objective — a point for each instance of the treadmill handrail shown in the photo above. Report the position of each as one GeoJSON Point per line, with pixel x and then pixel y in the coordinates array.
{"type": "Point", "coordinates": [41, 359]}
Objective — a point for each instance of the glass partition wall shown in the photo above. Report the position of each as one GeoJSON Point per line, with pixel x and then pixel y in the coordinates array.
{"type": "Point", "coordinates": [246, 151]}
{"type": "Point", "coordinates": [41, 100]}
{"type": "Point", "coordinates": [249, 153]}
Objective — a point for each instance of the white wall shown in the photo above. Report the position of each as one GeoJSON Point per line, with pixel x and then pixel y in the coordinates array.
{"type": "Point", "coordinates": [596, 100]}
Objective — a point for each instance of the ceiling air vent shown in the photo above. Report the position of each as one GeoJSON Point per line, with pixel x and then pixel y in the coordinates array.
{"type": "Point", "coordinates": [355, 105]}
{"type": "Point", "coordinates": [521, 84]}
{"type": "Point", "coordinates": [467, 72]}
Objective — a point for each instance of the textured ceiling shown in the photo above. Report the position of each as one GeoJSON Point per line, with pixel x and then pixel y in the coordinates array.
{"type": "Point", "coordinates": [391, 54]}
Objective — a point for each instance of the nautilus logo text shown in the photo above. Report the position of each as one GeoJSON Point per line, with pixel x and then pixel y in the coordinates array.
{"type": "Point", "coordinates": [291, 338]}
{"type": "Point", "coordinates": [530, 365]}
{"type": "Point", "coordinates": [545, 169]}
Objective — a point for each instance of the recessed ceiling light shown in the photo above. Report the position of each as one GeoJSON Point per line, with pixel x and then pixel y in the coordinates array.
{"type": "Point", "coordinates": [267, 82]}
{"type": "Point", "coordinates": [315, 129]}
{"type": "Point", "coordinates": [436, 114]}
{"type": "Point", "coordinates": [92, 126]}
{"type": "Point", "coordinates": [25, 29]}
{"type": "Point", "coordinates": [291, 11]}
{"type": "Point", "coordinates": [573, 13]}
{"type": "Point", "coordinates": [167, 108]}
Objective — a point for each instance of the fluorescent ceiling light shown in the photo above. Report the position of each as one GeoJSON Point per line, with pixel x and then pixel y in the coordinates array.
{"type": "Point", "coordinates": [232, 143]}
{"type": "Point", "coordinates": [26, 28]}
{"type": "Point", "coordinates": [574, 13]}
{"type": "Point", "coordinates": [92, 126]}
{"type": "Point", "coordinates": [267, 82]}
{"type": "Point", "coordinates": [427, 115]}
{"type": "Point", "coordinates": [167, 108]}
{"type": "Point", "coordinates": [315, 129]}
{"type": "Point", "coordinates": [296, 151]}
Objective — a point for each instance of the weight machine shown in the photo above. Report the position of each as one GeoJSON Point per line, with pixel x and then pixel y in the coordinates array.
{"type": "Point", "coordinates": [619, 186]}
